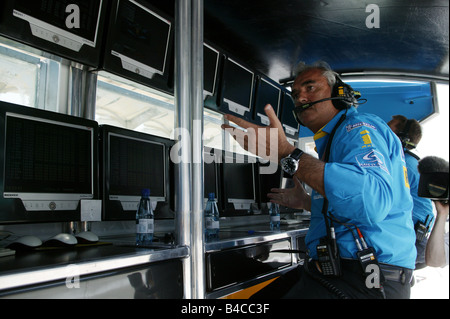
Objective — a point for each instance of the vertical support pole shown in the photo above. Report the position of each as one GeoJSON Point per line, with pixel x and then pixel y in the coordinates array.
{"type": "Point", "coordinates": [197, 238]}
{"type": "Point", "coordinates": [183, 126]}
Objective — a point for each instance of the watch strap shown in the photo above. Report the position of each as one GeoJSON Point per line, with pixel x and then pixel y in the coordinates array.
{"type": "Point", "coordinates": [296, 154]}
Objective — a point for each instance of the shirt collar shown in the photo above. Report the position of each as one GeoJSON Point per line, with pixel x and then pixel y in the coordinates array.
{"type": "Point", "coordinates": [327, 129]}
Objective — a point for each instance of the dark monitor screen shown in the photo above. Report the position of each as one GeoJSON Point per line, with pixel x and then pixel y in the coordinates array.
{"type": "Point", "coordinates": [268, 181]}
{"type": "Point", "coordinates": [210, 175]}
{"type": "Point", "coordinates": [211, 66]}
{"type": "Point", "coordinates": [50, 19]}
{"type": "Point", "coordinates": [238, 87]}
{"type": "Point", "coordinates": [48, 164]}
{"type": "Point", "coordinates": [45, 157]}
{"type": "Point", "coordinates": [267, 93]}
{"type": "Point", "coordinates": [141, 39]}
{"type": "Point", "coordinates": [238, 180]}
{"type": "Point", "coordinates": [288, 121]}
{"type": "Point", "coordinates": [135, 165]}
{"type": "Point", "coordinates": [132, 161]}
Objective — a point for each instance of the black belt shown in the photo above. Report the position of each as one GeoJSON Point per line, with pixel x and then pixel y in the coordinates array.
{"type": "Point", "coordinates": [396, 274]}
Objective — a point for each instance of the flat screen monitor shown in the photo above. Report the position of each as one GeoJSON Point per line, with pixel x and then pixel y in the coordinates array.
{"type": "Point", "coordinates": [210, 69]}
{"type": "Point", "coordinates": [132, 161]}
{"type": "Point", "coordinates": [48, 164]}
{"type": "Point", "coordinates": [210, 175]}
{"type": "Point", "coordinates": [267, 181]}
{"type": "Point", "coordinates": [69, 28]}
{"type": "Point", "coordinates": [290, 125]}
{"type": "Point", "coordinates": [239, 191]}
{"type": "Point", "coordinates": [267, 92]}
{"type": "Point", "coordinates": [139, 43]}
{"type": "Point", "coordinates": [238, 87]}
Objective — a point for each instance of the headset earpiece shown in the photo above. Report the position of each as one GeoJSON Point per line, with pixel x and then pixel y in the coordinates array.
{"type": "Point", "coordinates": [404, 135]}
{"type": "Point", "coordinates": [345, 91]}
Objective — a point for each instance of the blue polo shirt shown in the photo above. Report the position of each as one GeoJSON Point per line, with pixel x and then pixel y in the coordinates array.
{"type": "Point", "coordinates": [366, 184]}
{"type": "Point", "coordinates": [423, 208]}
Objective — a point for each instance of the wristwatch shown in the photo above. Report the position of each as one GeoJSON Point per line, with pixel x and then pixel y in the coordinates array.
{"type": "Point", "coordinates": [289, 164]}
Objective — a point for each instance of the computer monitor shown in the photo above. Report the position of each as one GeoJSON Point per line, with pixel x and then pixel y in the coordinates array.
{"type": "Point", "coordinates": [69, 28]}
{"type": "Point", "coordinates": [139, 43]}
{"type": "Point", "coordinates": [48, 164]}
{"type": "Point", "coordinates": [238, 178]}
{"type": "Point", "coordinates": [130, 162]}
{"type": "Point", "coordinates": [267, 181]}
{"type": "Point", "coordinates": [237, 90]}
{"type": "Point", "coordinates": [210, 69]}
{"type": "Point", "coordinates": [267, 92]}
{"type": "Point", "coordinates": [290, 125]}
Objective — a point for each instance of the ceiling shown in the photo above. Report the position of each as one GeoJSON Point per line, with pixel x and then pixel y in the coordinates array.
{"type": "Point", "coordinates": [273, 36]}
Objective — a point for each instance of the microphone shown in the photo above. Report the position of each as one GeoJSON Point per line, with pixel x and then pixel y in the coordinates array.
{"type": "Point", "coordinates": [299, 109]}
{"type": "Point", "coordinates": [434, 178]}
{"type": "Point", "coordinates": [308, 105]}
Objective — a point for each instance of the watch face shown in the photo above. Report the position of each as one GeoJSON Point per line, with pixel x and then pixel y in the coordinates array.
{"type": "Point", "coordinates": [289, 165]}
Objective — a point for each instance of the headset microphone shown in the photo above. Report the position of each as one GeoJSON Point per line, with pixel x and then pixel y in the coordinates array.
{"type": "Point", "coordinates": [299, 109]}
{"type": "Point", "coordinates": [308, 105]}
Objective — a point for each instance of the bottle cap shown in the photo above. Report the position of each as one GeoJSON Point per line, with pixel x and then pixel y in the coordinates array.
{"type": "Point", "coordinates": [211, 196]}
{"type": "Point", "coordinates": [145, 192]}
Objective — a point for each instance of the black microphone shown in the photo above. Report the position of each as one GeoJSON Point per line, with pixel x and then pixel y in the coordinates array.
{"type": "Point", "coordinates": [434, 178]}
{"type": "Point", "coordinates": [308, 105]}
{"type": "Point", "coordinates": [299, 109]}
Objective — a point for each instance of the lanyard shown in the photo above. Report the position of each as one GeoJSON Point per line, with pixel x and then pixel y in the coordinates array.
{"type": "Point", "coordinates": [325, 158]}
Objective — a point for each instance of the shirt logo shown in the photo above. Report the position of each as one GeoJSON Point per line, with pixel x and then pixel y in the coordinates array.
{"type": "Point", "coordinates": [365, 135]}
{"type": "Point", "coordinates": [351, 127]}
{"type": "Point", "coordinates": [372, 159]}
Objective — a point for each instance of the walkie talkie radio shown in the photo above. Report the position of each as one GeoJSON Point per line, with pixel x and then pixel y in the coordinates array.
{"type": "Point", "coordinates": [328, 258]}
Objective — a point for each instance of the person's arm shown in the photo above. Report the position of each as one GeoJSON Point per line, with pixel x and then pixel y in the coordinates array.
{"type": "Point", "coordinates": [275, 146]}
{"type": "Point", "coordinates": [435, 251]}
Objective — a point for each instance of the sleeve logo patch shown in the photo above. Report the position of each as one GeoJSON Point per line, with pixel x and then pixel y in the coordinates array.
{"type": "Point", "coordinates": [351, 127]}
{"type": "Point", "coordinates": [372, 159]}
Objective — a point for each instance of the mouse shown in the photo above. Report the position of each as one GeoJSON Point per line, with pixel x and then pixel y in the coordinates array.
{"type": "Point", "coordinates": [61, 240]}
{"type": "Point", "coordinates": [25, 243]}
{"type": "Point", "coordinates": [87, 237]}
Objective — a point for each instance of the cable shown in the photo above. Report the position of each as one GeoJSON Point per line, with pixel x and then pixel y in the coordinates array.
{"type": "Point", "coordinates": [326, 284]}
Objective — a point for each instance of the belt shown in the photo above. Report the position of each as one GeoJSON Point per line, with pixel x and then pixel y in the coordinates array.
{"type": "Point", "coordinates": [396, 274]}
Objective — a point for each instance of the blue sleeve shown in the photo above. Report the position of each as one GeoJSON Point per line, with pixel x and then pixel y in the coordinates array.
{"type": "Point", "coordinates": [423, 208]}
{"type": "Point", "coordinates": [360, 177]}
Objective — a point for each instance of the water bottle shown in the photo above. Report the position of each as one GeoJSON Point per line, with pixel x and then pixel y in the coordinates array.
{"type": "Point", "coordinates": [274, 212]}
{"type": "Point", "coordinates": [211, 218]}
{"type": "Point", "coordinates": [144, 220]}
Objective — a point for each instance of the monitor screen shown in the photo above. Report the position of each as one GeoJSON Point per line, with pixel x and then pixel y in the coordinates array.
{"type": "Point", "coordinates": [211, 67]}
{"type": "Point", "coordinates": [141, 39]}
{"type": "Point", "coordinates": [49, 164]}
{"type": "Point", "coordinates": [267, 93]}
{"type": "Point", "coordinates": [268, 181]}
{"type": "Point", "coordinates": [68, 23]}
{"type": "Point", "coordinates": [132, 161]}
{"type": "Point", "coordinates": [238, 179]}
{"type": "Point", "coordinates": [210, 175]}
{"type": "Point", "coordinates": [238, 87]}
{"type": "Point", "coordinates": [288, 120]}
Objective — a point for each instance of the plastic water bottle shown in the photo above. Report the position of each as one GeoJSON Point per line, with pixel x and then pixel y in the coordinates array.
{"type": "Point", "coordinates": [211, 218]}
{"type": "Point", "coordinates": [274, 212]}
{"type": "Point", "coordinates": [144, 220]}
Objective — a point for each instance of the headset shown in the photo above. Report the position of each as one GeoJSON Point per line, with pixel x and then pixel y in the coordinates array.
{"type": "Point", "coordinates": [404, 136]}
{"type": "Point", "coordinates": [342, 96]}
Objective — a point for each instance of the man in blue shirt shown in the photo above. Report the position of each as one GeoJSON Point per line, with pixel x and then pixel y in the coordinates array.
{"type": "Point", "coordinates": [365, 183]}
{"type": "Point", "coordinates": [409, 132]}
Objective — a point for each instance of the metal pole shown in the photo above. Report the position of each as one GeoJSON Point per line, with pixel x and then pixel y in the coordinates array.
{"type": "Point", "coordinates": [197, 241]}
{"type": "Point", "coordinates": [183, 117]}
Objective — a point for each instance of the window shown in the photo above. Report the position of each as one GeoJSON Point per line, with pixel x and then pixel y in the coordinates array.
{"type": "Point", "coordinates": [27, 78]}
{"type": "Point", "coordinates": [129, 105]}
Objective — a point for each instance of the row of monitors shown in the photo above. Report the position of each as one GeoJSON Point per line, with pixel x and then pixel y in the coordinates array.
{"type": "Point", "coordinates": [133, 39]}
{"type": "Point", "coordinates": [50, 162]}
